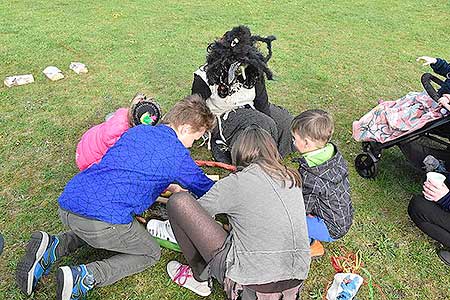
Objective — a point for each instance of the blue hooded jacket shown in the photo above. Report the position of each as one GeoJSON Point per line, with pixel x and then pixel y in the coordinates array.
{"type": "Point", "coordinates": [132, 174]}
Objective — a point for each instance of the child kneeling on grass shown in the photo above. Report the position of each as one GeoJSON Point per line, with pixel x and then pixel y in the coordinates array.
{"type": "Point", "coordinates": [324, 171]}
{"type": "Point", "coordinates": [266, 253]}
{"type": "Point", "coordinates": [98, 139]}
{"type": "Point", "coordinates": [99, 204]}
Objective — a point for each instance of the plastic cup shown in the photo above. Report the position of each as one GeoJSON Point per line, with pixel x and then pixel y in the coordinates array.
{"type": "Point", "coordinates": [435, 178]}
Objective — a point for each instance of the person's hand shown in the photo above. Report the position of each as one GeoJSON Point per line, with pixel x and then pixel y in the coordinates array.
{"type": "Point", "coordinates": [175, 188]}
{"type": "Point", "coordinates": [427, 60]}
{"type": "Point", "coordinates": [445, 101]}
{"type": "Point", "coordinates": [434, 193]}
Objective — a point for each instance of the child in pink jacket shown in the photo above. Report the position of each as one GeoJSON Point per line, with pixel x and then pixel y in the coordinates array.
{"type": "Point", "coordinates": [98, 139]}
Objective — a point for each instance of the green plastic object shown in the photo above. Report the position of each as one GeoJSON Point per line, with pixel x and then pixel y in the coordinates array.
{"type": "Point", "coordinates": [168, 245]}
{"type": "Point", "coordinates": [147, 119]}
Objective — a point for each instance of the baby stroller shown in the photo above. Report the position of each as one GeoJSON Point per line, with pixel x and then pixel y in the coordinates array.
{"type": "Point", "coordinates": [416, 145]}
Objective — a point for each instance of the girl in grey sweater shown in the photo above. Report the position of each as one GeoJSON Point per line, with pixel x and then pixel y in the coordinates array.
{"type": "Point", "coordinates": [267, 250]}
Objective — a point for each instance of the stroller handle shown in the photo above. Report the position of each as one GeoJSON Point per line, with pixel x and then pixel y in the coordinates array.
{"type": "Point", "coordinates": [426, 79]}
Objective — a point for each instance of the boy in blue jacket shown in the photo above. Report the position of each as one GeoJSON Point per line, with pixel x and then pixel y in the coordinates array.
{"type": "Point", "coordinates": [99, 204]}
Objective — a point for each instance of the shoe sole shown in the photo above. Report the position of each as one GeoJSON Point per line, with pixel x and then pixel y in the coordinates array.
{"type": "Point", "coordinates": [188, 287]}
{"type": "Point", "coordinates": [317, 256]}
{"type": "Point", "coordinates": [198, 293]}
{"type": "Point", "coordinates": [443, 259]}
{"type": "Point", "coordinates": [25, 269]}
{"type": "Point", "coordinates": [64, 283]}
{"type": "Point", "coordinates": [162, 242]}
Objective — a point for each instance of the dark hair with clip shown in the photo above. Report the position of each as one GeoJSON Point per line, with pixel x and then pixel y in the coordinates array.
{"type": "Point", "coordinates": [237, 47]}
{"type": "Point", "coordinates": [143, 110]}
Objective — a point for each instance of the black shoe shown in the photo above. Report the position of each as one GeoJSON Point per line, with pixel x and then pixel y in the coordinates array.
{"type": "Point", "coordinates": [444, 255]}
{"type": "Point", "coordinates": [220, 151]}
{"type": "Point", "coordinates": [39, 257]}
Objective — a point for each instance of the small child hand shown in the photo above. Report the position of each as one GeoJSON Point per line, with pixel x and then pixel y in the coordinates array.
{"type": "Point", "coordinates": [434, 193]}
{"type": "Point", "coordinates": [445, 101]}
{"type": "Point", "coordinates": [427, 60]}
{"type": "Point", "coordinates": [175, 188]}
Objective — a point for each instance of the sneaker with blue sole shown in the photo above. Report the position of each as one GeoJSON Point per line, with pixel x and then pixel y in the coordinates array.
{"type": "Point", "coordinates": [39, 257]}
{"type": "Point", "coordinates": [73, 283]}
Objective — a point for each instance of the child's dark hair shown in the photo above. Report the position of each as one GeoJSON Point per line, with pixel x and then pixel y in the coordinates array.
{"type": "Point", "coordinates": [238, 46]}
{"type": "Point", "coordinates": [316, 124]}
{"type": "Point", "coordinates": [192, 110]}
{"type": "Point", "coordinates": [255, 145]}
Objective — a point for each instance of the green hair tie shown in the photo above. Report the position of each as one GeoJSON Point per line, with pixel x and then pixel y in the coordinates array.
{"type": "Point", "coordinates": [147, 119]}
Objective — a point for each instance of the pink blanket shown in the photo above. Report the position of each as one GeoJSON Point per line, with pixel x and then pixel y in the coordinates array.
{"type": "Point", "coordinates": [392, 119]}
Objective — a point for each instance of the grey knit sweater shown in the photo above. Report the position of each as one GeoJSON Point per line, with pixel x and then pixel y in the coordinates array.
{"type": "Point", "coordinates": [269, 239]}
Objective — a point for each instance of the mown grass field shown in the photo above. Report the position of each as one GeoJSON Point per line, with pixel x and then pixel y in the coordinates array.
{"type": "Point", "coordinates": [340, 56]}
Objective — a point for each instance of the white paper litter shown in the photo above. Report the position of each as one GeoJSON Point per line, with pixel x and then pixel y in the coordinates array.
{"type": "Point", "coordinates": [18, 80]}
{"type": "Point", "coordinates": [213, 177]}
{"type": "Point", "coordinates": [78, 67]}
{"type": "Point", "coordinates": [53, 73]}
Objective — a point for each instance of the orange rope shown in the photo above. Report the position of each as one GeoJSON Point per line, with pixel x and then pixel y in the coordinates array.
{"type": "Point", "coordinates": [215, 164]}
{"type": "Point", "coordinates": [349, 263]}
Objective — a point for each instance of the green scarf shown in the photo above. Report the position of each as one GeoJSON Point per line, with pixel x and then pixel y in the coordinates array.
{"type": "Point", "coordinates": [319, 156]}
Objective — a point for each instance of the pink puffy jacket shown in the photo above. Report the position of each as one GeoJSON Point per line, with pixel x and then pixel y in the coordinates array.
{"type": "Point", "coordinates": [97, 140]}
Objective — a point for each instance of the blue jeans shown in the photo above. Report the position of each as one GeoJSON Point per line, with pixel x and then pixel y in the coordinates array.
{"type": "Point", "coordinates": [317, 230]}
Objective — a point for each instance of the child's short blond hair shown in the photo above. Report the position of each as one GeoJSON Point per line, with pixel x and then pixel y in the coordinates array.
{"type": "Point", "coordinates": [315, 124]}
{"type": "Point", "coordinates": [192, 110]}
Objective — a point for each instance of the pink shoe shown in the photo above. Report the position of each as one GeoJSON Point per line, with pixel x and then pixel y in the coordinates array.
{"type": "Point", "coordinates": [182, 275]}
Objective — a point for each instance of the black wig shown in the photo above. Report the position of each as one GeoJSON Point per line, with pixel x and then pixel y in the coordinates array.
{"type": "Point", "coordinates": [238, 47]}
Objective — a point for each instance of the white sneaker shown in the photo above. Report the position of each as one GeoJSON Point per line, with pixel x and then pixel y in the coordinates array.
{"type": "Point", "coordinates": [161, 230]}
{"type": "Point", "coordinates": [182, 275]}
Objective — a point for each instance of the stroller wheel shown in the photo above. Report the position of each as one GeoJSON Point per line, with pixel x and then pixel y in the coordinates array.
{"type": "Point", "coordinates": [366, 166]}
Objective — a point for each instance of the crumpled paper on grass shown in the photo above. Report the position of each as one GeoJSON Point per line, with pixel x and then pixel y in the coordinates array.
{"type": "Point", "coordinates": [18, 80]}
{"type": "Point", "coordinates": [53, 73]}
{"type": "Point", "coordinates": [78, 67]}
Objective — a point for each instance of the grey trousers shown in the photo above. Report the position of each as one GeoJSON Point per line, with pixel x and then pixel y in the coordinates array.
{"type": "Point", "coordinates": [136, 248]}
{"type": "Point", "coordinates": [278, 125]}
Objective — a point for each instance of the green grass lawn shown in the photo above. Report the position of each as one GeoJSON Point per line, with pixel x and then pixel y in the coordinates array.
{"type": "Point", "coordinates": [340, 56]}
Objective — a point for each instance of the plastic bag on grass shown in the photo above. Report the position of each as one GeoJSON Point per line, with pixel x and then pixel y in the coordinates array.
{"type": "Point", "coordinates": [344, 287]}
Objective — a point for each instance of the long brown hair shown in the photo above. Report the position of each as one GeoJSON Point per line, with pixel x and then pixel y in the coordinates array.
{"type": "Point", "coordinates": [255, 145]}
